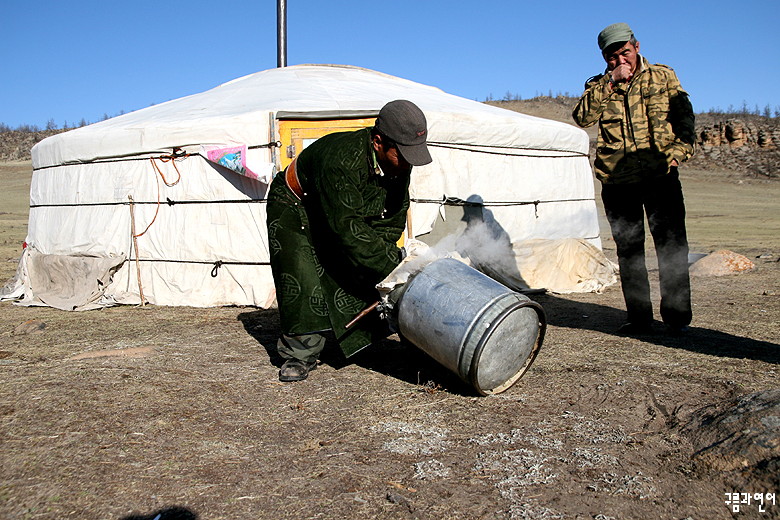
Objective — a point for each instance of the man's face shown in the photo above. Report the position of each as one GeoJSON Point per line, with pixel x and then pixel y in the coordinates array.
{"type": "Point", "coordinates": [390, 159]}
{"type": "Point", "coordinates": [622, 54]}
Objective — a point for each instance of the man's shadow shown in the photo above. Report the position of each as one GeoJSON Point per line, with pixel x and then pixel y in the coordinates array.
{"type": "Point", "coordinates": [469, 228]}
{"type": "Point", "coordinates": [562, 312]}
{"type": "Point", "coordinates": [397, 358]}
{"type": "Point", "coordinates": [263, 326]}
{"type": "Point", "coordinates": [168, 513]}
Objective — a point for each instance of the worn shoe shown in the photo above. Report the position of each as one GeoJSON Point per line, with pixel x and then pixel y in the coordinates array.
{"type": "Point", "coordinates": [635, 329]}
{"type": "Point", "coordinates": [296, 370]}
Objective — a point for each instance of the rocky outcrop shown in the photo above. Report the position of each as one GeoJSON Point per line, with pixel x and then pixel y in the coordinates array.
{"type": "Point", "coordinates": [736, 133]}
{"type": "Point", "coordinates": [743, 143]}
{"type": "Point", "coordinates": [747, 144]}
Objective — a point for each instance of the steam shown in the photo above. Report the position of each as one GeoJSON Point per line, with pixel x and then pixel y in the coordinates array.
{"type": "Point", "coordinates": [483, 245]}
{"type": "Point", "coordinates": [488, 249]}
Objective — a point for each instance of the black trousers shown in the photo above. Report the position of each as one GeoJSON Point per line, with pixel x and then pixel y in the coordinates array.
{"type": "Point", "coordinates": [662, 200]}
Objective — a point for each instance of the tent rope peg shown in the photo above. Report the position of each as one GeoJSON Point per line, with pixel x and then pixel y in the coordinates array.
{"type": "Point", "coordinates": [217, 265]}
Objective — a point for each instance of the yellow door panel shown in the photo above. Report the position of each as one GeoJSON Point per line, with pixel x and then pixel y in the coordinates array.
{"type": "Point", "coordinates": [295, 135]}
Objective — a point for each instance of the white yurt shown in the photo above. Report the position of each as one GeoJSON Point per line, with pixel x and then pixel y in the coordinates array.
{"type": "Point", "coordinates": [166, 205]}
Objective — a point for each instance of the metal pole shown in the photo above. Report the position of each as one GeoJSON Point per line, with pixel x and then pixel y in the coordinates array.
{"type": "Point", "coordinates": [281, 33]}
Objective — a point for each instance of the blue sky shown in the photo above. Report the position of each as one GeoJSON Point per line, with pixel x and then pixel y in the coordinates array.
{"type": "Point", "coordinates": [66, 61]}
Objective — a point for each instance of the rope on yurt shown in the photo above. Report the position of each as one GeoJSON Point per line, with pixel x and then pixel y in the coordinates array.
{"type": "Point", "coordinates": [168, 201]}
{"type": "Point", "coordinates": [142, 156]}
{"type": "Point", "coordinates": [169, 158]}
{"type": "Point", "coordinates": [135, 246]}
{"type": "Point", "coordinates": [216, 264]}
{"type": "Point", "coordinates": [455, 201]}
{"type": "Point", "coordinates": [505, 150]}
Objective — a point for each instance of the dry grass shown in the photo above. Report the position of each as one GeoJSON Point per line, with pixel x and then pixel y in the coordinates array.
{"type": "Point", "coordinates": [201, 422]}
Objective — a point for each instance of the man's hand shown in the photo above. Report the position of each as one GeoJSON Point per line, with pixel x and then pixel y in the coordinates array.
{"type": "Point", "coordinates": [621, 73]}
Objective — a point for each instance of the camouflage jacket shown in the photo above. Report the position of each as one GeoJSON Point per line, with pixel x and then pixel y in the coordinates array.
{"type": "Point", "coordinates": [643, 124]}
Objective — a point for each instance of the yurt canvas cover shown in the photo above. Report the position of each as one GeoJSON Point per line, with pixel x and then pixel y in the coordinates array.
{"type": "Point", "coordinates": [135, 199]}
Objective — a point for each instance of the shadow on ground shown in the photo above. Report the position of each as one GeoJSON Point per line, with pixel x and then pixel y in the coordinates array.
{"type": "Point", "coordinates": [403, 361]}
{"type": "Point", "coordinates": [562, 312]}
{"type": "Point", "coordinates": [168, 513]}
{"type": "Point", "coordinates": [393, 357]}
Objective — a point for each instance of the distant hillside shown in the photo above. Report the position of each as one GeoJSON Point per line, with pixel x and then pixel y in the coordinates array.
{"type": "Point", "coordinates": [744, 144]}
{"type": "Point", "coordinates": [15, 145]}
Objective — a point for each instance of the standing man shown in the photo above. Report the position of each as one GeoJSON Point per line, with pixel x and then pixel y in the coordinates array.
{"type": "Point", "coordinates": [646, 129]}
{"type": "Point", "coordinates": [334, 218]}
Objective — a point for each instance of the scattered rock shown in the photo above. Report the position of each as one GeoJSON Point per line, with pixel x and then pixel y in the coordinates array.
{"type": "Point", "coordinates": [29, 327]}
{"type": "Point", "coordinates": [395, 498]}
{"type": "Point", "coordinates": [721, 263]}
{"type": "Point", "coordinates": [740, 437]}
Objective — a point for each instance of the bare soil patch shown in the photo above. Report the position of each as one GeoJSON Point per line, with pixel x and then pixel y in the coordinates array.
{"type": "Point", "coordinates": [194, 423]}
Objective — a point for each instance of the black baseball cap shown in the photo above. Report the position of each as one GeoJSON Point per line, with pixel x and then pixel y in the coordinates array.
{"type": "Point", "coordinates": [404, 122]}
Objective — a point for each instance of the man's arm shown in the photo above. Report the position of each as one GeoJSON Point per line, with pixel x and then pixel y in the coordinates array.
{"type": "Point", "coordinates": [592, 103]}
{"type": "Point", "coordinates": [368, 251]}
{"type": "Point", "coordinates": [683, 121]}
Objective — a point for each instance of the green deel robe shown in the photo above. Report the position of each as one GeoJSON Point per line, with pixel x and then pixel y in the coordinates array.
{"type": "Point", "coordinates": [330, 250]}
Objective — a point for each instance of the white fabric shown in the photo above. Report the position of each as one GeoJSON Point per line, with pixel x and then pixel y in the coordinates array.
{"type": "Point", "coordinates": [503, 157]}
{"type": "Point", "coordinates": [564, 266]}
{"type": "Point", "coordinates": [561, 266]}
{"type": "Point", "coordinates": [67, 282]}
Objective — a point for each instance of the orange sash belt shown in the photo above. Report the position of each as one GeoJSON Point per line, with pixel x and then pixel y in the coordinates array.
{"type": "Point", "coordinates": [291, 177]}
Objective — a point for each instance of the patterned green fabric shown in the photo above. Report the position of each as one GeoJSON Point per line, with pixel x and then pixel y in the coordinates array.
{"type": "Point", "coordinates": [643, 124]}
{"type": "Point", "coordinates": [329, 251]}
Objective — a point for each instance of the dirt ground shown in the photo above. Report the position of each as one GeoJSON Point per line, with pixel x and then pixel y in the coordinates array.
{"type": "Point", "coordinates": [176, 413]}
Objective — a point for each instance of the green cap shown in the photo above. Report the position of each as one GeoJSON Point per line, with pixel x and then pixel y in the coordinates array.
{"type": "Point", "coordinates": [617, 32]}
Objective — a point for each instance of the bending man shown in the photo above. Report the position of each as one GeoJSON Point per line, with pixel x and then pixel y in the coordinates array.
{"type": "Point", "coordinates": [334, 218]}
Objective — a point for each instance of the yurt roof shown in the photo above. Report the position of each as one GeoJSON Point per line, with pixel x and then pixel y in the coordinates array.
{"type": "Point", "coordinates": [239, 112]}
